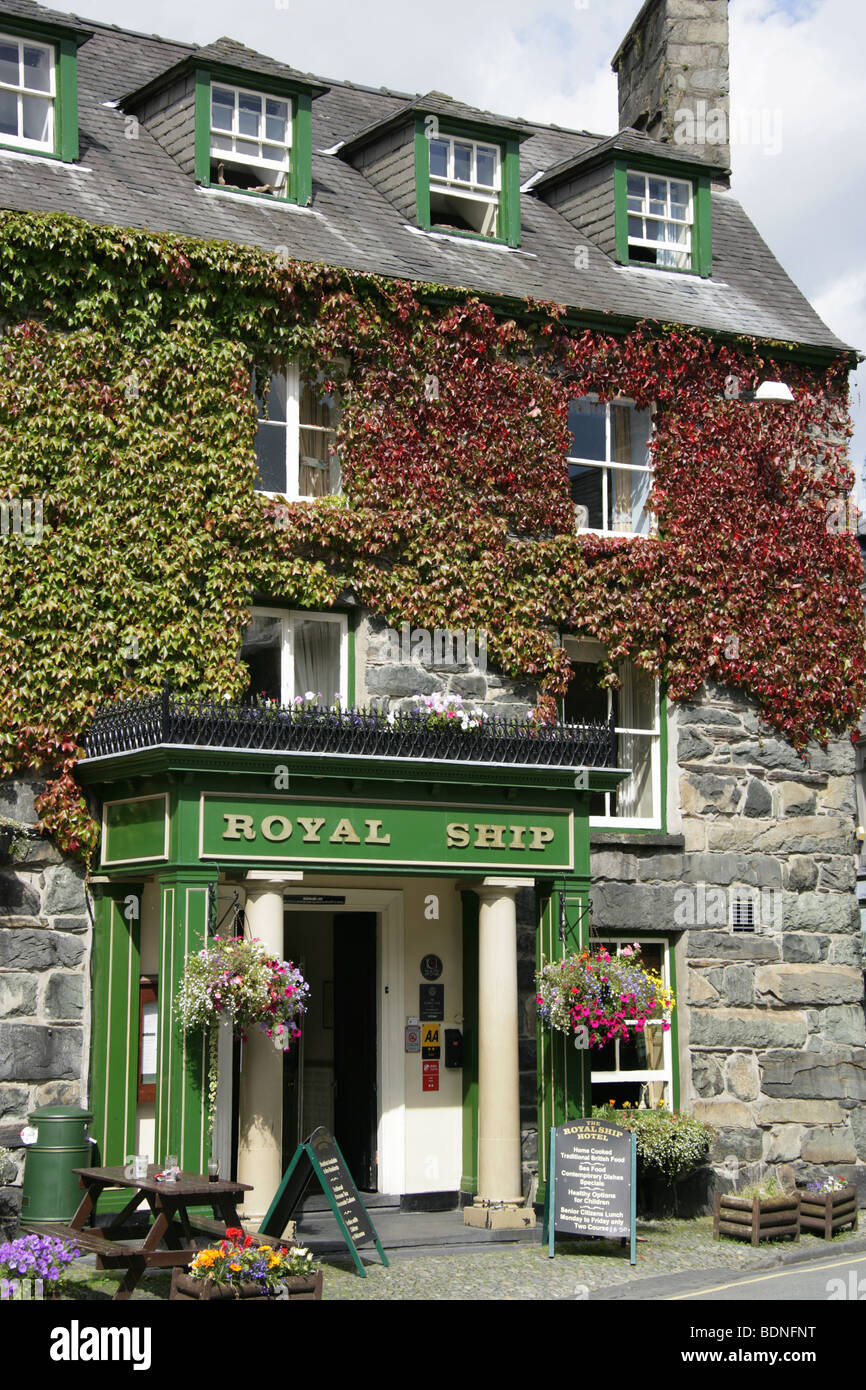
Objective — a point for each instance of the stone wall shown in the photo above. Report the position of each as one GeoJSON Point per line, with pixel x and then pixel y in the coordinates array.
{"type": "Point", "coordinates": [384, 678]}
{"type": "Point", "coordinates": [44, 979]}
{"type": "Point", "coordinates": [771, 1024]}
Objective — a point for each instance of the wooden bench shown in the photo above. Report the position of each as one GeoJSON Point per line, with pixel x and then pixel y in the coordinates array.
{"type": "Point", "coordinates": [212, 1227]}
{"type": "Point", "coordinates": [89, 1241]}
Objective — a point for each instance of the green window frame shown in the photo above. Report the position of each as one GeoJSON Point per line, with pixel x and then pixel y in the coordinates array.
{"type": "Point", "coordinates": [299, 184]}
{"type": "Point", "coordinates": [701, 242]}
{"type": "Point", "coordinates": [64, 96]}
{"type": "Point", "coordinates": [508, 214]}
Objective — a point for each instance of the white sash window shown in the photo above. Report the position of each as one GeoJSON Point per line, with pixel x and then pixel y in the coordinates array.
{"type": "Point", "coordinates": [27, 93]}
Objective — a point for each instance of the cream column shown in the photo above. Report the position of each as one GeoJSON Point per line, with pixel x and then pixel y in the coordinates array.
{"type": "Point", "coordinates": [499, 1168]}
{"type": "Point", "coordinates": [260, 1136]}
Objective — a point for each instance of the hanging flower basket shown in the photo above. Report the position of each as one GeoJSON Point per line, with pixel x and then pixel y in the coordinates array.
{"type": "Point", "coordinates": [603, 993]}
{"type": "Point", "coordinates": [236, 978]}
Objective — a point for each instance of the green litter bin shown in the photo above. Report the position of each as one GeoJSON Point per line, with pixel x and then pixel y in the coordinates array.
{"type": "Point", "coordinates": [51, 1191]}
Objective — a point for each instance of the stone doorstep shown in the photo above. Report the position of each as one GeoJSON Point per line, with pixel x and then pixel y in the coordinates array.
{"type": "Point", "coordinates": [499, 1216]}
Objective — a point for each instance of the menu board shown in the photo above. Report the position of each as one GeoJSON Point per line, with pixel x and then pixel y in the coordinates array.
{"type": "Point", "coordinates": [591, 1185]}
{"type": "Point", "coordinates": [342, 1191]}
{"type": "Point", "coordinates": [320, 1158]}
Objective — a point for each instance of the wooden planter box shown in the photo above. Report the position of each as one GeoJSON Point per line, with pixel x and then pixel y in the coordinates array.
{"type": "Point", "coordinates": [184, 1287]}
{"type": "Point", "coordinates": [828, 1214]}
{"type": "Point", "coordinates": [754, 1219]}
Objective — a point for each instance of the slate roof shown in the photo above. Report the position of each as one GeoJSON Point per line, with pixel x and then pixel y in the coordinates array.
{"type": "Point", "coordinates": [28, 9]}
{"type": "Point", "coordinates": [438, 104]}
{"type": "Point", "coordinates": [230, 53]}
{"type": "Point", "coordinates": [135, 183]}
{"type": "Point", "coordinates": [624, 142]}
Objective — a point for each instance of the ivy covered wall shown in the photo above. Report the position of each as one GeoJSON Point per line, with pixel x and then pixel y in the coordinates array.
{"type": "Point", "coordinates": [125, 407]}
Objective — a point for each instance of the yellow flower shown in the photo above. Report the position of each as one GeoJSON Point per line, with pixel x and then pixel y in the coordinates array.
{"type": "Point", "coordinates": [235, 1267]}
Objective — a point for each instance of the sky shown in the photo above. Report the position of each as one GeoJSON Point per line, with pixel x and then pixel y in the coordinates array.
{"type": "Point", "coordinates": [796, 87]}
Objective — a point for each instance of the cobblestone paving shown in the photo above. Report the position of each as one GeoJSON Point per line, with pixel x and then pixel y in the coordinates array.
{"type": "Point", "coordinates": [526, 1272]}
{"type": "Point", "coordinates": [521, 1272]}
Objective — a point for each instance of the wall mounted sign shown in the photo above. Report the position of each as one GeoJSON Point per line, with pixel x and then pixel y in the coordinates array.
{"type": "Point", "coordinates": [431, 1040]}
{"type": "Point", "coordinates": [431, 1003]}
{"type": "Point", "coordinates": [429, 1076]}
{"type": "Point", "coordinates": [523, 839]}
{"type": "Point", "coordinates": [591, 1189]}
{"type": "Point", "coordinates": [413, 1037]}
{"type": "Point", "coordinates": [320, 1157]}
{"type": "Point", "coordinates": [431, 967]}
{"type": "Point", "coordinates": [313, 900]}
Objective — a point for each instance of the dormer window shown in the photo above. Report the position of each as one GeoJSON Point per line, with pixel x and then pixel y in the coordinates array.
{"type": "Point", "coordinates": [27, 93]}
{"type": "Point", "coordinates": [465, 183]}
{"type": "Point", "coordinates": [660, 220]}
{"type": "Point", "coordinates": [250, 140]}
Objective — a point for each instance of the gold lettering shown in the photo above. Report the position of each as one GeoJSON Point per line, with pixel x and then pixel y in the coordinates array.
{"type": "Point", "coordinates": [541, 836]}
{"type": "Point", "coordinates": [276, 827]}
{"type": "Point", "coordinates": [489, 837]}
{"type": "Point", "coordinates": [373, 836]}
{"type": "Point", "coordinates": [517, 834]}
{"type": "Point", "coordinates": [458, 835]}
{"type": "Point", "coordinates": [345, 833]}
{"type": "Point", "coordinates": [238, 824]}
{"type": "Point", "coordinates": [312, 825]}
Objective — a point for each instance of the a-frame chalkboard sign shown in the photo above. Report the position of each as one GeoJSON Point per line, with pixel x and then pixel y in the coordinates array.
{"type": "Point", "coordinates": [591, 1183]}
{"type": "Point", "coordinates": [320, 1157]}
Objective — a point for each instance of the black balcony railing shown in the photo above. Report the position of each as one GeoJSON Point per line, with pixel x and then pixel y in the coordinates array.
{"type": "Point", "coordinates": [197, 723]}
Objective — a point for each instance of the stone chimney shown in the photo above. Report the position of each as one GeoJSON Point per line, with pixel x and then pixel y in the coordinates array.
{"type": "Point", "coordinates": [672, 70]}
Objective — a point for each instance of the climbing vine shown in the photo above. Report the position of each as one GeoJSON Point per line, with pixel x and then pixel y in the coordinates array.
{"type": "Point", "coordinates": [125, 408]}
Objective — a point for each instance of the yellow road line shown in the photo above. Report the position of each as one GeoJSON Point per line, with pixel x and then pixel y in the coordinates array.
{"type": "Point", "coordinates": [761, 1279]}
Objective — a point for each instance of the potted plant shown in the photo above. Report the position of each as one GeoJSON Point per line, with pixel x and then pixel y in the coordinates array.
{"type": "Point", "coordinates": [239, 1268]}
{"type": "Point", "coordinates": [602, 993]}
{"type": "Point", "coordinates": [671, 1147]}
{"type": "Point", "coordinates": [827, 1205]}
{"type": "Point", "coordinates": [236, 978]}
{"type": "Point", "coordinates": [761, 1211]}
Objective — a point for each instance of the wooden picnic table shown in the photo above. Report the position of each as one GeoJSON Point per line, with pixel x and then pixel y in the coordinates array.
{"type": "Point", "coordinates": [173, 1223]}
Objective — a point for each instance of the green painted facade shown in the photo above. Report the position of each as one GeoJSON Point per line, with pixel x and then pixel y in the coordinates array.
{"type": "Point", "coordinates": [193, 817]}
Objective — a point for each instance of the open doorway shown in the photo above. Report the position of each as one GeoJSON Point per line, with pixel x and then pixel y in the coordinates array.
{"type": "Point", "coordinates": [330, 1076]}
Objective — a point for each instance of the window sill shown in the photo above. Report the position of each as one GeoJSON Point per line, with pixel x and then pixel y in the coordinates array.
{"type": "Point", "coordinates": [656, 839]}
{"type": "Point", "coordinates": [41, 157]}
{"type": "Point", "coordinates": [461, 239]}
{"type": "Point", "coordinates": [616, 535]}
{"type": "Point", "coordinates": [661, 269]}
{"type": "Point", "coordinates": [244, 195]}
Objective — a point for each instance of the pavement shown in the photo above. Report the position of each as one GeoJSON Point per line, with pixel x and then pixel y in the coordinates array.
{"type": "Point", "coordinates": [433, 1257]}
{"type": "Point", "coordinates": [673, 1258]}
